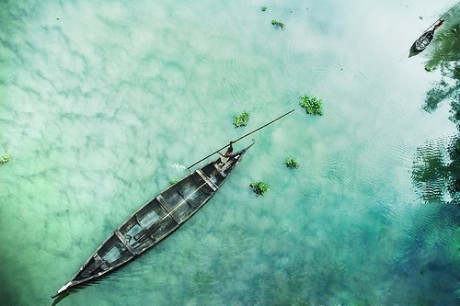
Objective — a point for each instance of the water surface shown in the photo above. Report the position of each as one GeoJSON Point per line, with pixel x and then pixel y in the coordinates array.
{"type": "Point", "coordinates": [102, 104]}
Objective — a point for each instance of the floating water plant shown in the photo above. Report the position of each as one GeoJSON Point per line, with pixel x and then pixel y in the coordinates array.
{"type": "Point", "coordinates": [278, 24]}
{"type": "Point", "coordinates": [241, 120]}
{"type": "Point", "coordinates": [312, 106]}
{"type": "Point", "coordinates": [259, 188]}
{"type": "Point", "coordinates": [5, 158]}
{"type": "Point", "coordinates": [173, 181]}
{"type": "Point", "coordinates": [291, 163]}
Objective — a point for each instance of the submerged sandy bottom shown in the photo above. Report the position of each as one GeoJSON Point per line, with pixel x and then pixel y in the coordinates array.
{"type": "Point", "coordinates": [103, 104]}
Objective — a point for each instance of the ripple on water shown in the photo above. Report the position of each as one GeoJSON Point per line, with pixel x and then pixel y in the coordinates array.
{"type": "Point", "coordinates": [401, 153]}
{"type": "Point", "coordinates": [352, 99]}
{"type": "Point", "coordinates": [428, 174]}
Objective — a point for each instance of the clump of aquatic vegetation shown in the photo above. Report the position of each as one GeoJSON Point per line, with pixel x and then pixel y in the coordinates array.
{"type": "Point", "coordinates": [173, 181]}
{"type": "Point", "coordinates": [5, 158]}
{"type": "Point", "coordinates": [312, 105]}
{"type": "Point", "coordinates": [263, 8]}
{"type": "Point", "coordinates": [241, 120]}
{"type": "Point", "coordinates": [278, 24]}
{"type": "Point", "coordinates": [259, 188]}
{"type": "Point", "coordinates": [291, 163]}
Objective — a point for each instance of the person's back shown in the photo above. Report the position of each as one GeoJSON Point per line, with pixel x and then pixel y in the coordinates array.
{"type": "Point", "coordinates": [226, 156]}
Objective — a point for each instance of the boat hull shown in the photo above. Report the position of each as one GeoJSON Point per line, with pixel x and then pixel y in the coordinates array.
{"type": "Point", "coordinates": [425, 39]}
{"type": "Point", "coordinates": [423, 42]}
{"type": "Point", "coordinates": [154, 221]}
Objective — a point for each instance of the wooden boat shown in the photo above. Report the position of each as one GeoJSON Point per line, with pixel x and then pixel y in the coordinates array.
{"type": "Point", "coordinates": [425, 39]}
{"type": "Point", "coordinates": [155, 220]}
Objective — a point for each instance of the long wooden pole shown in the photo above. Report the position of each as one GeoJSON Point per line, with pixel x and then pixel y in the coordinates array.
{"type": "Point", "coordinates": [442, 16]}
{"type": "Point", "coordinates": [238, 139]}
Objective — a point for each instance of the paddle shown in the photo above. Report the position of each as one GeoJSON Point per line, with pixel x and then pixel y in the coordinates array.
{"type": "Point", "coordinates": [252, 132]}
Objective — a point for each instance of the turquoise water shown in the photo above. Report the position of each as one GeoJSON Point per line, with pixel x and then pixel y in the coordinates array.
{"type": "Point", "coordinates": [102, 104]}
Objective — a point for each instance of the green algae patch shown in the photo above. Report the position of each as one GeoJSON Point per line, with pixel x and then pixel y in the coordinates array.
{"type": "Point", "coordinates": [278, 24]}
{"type": "Point", "coordinates": [241, 120]}
{"type": "Point", "coordinates": [5, 158]}
{"type": "Point", "coordinates": [259, 188]}
{"type": "Point", "coordinates": [291, 163]}
{"type": "Point", "coordinates": [312, 105]}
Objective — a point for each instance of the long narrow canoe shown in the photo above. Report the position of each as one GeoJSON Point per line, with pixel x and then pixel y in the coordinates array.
{"type": "Point", "coordinates": [425, 39]}
{"type": "Point", "coordinates": [155, 220]}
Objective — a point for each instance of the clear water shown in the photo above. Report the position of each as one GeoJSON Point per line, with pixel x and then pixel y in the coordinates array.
{"type": "Point", "coordinates": [102, 104]}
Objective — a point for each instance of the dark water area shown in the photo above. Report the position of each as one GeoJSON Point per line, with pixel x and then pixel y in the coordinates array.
{"type": "Point", "coordinates": [103, 104]}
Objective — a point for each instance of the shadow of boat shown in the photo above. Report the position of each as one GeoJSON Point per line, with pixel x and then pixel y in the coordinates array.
{"type": "Point", "coordinates": [60, 298]}
{"type": "Point", "coordinates": [73, 290]}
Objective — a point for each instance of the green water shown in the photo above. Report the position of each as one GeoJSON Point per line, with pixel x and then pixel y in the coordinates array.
{"type": "Point", "coordinates": [103, 103]}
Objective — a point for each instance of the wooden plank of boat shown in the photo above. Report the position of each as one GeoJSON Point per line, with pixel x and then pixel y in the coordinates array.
{"type": "Point", "coordinates": [206, 179]}
{"type": "Point", "coordinates": [165, 205]}
{"type": "Point", "coordinates": [125, 242]}
{"type": "Point", "coordinates": [162, 216]}
{"type": "Point", "coordinates": [423, 41]}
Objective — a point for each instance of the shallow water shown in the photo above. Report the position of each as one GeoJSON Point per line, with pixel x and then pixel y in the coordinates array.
{"type": "Point", "coordinates": [102, 104]}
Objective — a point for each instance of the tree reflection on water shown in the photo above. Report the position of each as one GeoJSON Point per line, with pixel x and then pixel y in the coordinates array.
{"type": "Point", "coordinates": [436, 171]}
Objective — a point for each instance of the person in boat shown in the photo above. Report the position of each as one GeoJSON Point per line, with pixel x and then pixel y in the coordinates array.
{"type": "Point", "coordinates": [438, 24]}
{"type": "Point", "coordinates": [226, 156]}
